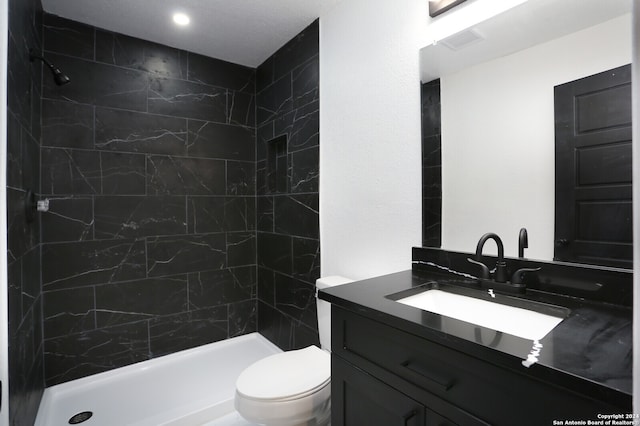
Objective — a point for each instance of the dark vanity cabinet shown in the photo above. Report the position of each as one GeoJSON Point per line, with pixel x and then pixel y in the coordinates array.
{"type": "Point", "coordinates": [385, 376]}
{"type": "Point", "coordinates": [368, 401]}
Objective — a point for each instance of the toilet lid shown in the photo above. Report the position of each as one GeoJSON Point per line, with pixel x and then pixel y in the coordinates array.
{"type": "Point", "coordinates": [286, 375]}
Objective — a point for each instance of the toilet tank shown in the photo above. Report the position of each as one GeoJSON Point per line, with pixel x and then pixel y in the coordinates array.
{"type": "Point", "coordinates": [324, 308]}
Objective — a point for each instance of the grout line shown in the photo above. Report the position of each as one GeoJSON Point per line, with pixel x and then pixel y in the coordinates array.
{"type": "Point", "coordinates": [143, 72]}
{"type": "Point", "coordinates": [146, 255]}
{"type": "Point", "coordinates": [147, 154]}
{"type": "Point", "coordinates": [95, 308]}
{"type": "Point", "coordinates": [254, 196]}
{"type": "Point", "coordinates": [95, 44]}
{"type": "Point", "coordinates": [149, 354]}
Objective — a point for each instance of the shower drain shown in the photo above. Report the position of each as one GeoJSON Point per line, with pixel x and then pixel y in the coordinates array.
{"type": "Point", "coordinates": [80, 417]}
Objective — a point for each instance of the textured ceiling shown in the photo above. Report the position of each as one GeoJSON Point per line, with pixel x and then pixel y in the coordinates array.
{"type": "Point", "coordinates": [241, 31]}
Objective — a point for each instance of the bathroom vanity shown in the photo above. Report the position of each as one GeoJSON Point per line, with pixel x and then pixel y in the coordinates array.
{"type": "Point", "coordinates": [394, 364]}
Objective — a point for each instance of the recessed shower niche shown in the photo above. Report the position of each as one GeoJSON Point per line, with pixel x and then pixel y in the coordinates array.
{"type": "Point", "coordinates": [277, 164]}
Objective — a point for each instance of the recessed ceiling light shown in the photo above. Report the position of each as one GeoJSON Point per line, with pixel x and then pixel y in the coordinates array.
{"type": "Point", "coordinates": [181, 19]}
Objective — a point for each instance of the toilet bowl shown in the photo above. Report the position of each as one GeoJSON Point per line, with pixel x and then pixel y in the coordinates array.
{"type": "Point", "coordinates": [292, 388]}
{"type": "Point", "coordinates": [289, 388]}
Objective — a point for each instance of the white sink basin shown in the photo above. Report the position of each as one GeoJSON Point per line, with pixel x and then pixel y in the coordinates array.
{"type": "Point", "coordinates": [508, 319]}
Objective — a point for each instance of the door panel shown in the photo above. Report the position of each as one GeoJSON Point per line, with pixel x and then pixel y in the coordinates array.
{"type": "Point", "coordinates": [593, 217]}
{"type": "Point", "coordinates": [359, 399]}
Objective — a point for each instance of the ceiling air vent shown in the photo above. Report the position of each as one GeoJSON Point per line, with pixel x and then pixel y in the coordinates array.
{"type": "Point", "coordinates": [462, 39]}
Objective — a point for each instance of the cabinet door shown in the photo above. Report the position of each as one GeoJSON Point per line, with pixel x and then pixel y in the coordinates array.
{"type": "Point", "coordinates": [435, 419]}
{"type": "Point", "coordinates": [359, 399]}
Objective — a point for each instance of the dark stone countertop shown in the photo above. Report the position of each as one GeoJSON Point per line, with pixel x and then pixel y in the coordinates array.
{"type": "Point", "coordinates": [589, 352]}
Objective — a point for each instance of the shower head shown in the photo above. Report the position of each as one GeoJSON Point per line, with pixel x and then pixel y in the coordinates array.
{"type": "Point", "coordinates": [58, 76]}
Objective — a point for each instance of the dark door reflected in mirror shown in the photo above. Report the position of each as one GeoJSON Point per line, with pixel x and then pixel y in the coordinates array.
{"type": "Point", "coordinates": [593, 209]}
{"type": "Point", "coordinates": [498, 152]}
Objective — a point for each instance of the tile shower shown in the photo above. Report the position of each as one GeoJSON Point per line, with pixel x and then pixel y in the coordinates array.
{"type": "Point", "coordinates": [163, 233]}
{"type": "Point", "coordinates": [25, 334]}
{"type": "Point", "coordinates": [288, 244]}
{"type": "Point", "coordinates": [149, 244]}
{"type": "Point", "coordinates": [431, 164]}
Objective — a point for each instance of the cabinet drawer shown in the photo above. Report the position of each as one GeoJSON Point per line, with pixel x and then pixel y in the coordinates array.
{"type": "Point", "coordinates": [493, 394]}
{"type": "Point", "coordinates": [359, 399]}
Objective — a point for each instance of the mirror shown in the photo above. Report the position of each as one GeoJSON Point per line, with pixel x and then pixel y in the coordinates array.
{"type": "Point", "coordinates": [496, 136]}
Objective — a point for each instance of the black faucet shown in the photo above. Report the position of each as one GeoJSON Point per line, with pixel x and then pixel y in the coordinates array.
{"type": "Point", "coordinates": [499, 281]}
{"type": "Point", "coordinates": [523, 242]}
{"type": "Point", "coordinates": [500, 275]}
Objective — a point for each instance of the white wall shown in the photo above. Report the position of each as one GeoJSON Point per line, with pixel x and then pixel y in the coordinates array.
{"type": "Point", "coordinates": [370, 138]}
{"type": "Point", "coordinates": [370, 166]}
{"type": "Point", "coordinates": [498, 137]}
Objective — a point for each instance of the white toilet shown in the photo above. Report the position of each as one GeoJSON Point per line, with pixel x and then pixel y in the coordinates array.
{"type": "Point", "coordinates": [292, 388]}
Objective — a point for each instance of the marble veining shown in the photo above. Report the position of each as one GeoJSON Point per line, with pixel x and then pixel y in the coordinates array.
{"type": "Point", "coordinates": [155, 171]}
{"type": "Point", "coordinates": [301, 125]}
{"type": "Point", "coordinates": [14, 152]}
{"type": "Point", "coordinates": [24, 332]}
{"type": "Point", "coordinates": [444, 268]}
{"type": "Point", "coordinates": [69, 311]}
{"type": "Point", "coordinates": [68, 218]}
{"type": "Point", "coordinates": [304, 78]}
{"type": "Point", "coordinates": [95, 351]}
{"type": "Point", "coordinates": [70, 32]}
{"type": "Point", "coordinates": [129, 52]}
{"type": "Point", "coordinates": [133, 138]}
{"type": "Point", "coordinates": [187, 99]}
{"type": "Point", "coordinates": [241, 108]}
{"type": "Point", "coordinates": [243, 317]}
{"type": "Point", "coordinates": [296, 215]}
{"type": "Point", "coordinates": [287, 243]}
{"type": "Point", "coordinates": [126, 217]}
{"type": "Point", "coordinates": [123, 174]}
{"type": "Point", "coordinates": [176, 332]}
{"type": "Point", "coordinates": [589, 352]}
{"type": "Point", "coordinates": [131, 131]}
{"type": "Point", "coordinates": [189, 176]}
{"type": "Point", "coordinates": [164, 296]}
{"type": "Point", "coordinates": [305, 171]}
{"type": "Point", "coordinates": [126, 88]}
{"type": "Point", "coordinates": [265, 214]}
{"type": "Point", "coordinates": [94, 262]}
{"type": "Point", "coordinates": [214, 288]}
{"type": "Point", "coordinates": [273, 100]}
{"type": "Point", "coordinates": [240, 178]}
{"type": "Point", "coordinates": [218, 140]}
{"type": "Point", "coordinates": [296, 298]}
{"type": "Point", "coordinates": [71, 172]}
{"type": "Point", "coordinates": [67, 125]}
{"type": "Point", "coordinates": [180, 254]}
{"type": "Point", "coordinates": [206, 70]}
{"type": "Point", "coordinates": [241, 249]}
{"type": "Point", "coordinates": [306, 255]}
{"type": "Point", "coordinates": [68, 37]}
{"type": "Point", "coordinates": [431, 164]}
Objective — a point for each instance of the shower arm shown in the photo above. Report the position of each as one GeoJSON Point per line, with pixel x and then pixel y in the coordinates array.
{"type": "Point", "coordinates": [58, 76]}
{"type": "Point", "coordinates": [33, 56]}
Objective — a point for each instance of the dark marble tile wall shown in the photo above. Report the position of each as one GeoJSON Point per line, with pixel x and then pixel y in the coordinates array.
{"type": "Point", "coordinates": [431, 165]}
{"type": "Point", "coordinates": [288, 246]}
{"type": "Point", "coordinates": [26, 378]}
{"type": "Point", "coordinates": [148, 158]}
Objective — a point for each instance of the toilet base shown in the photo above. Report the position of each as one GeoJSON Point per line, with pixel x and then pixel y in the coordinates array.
{"type": "Point", "coordinates": [312, 410]}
